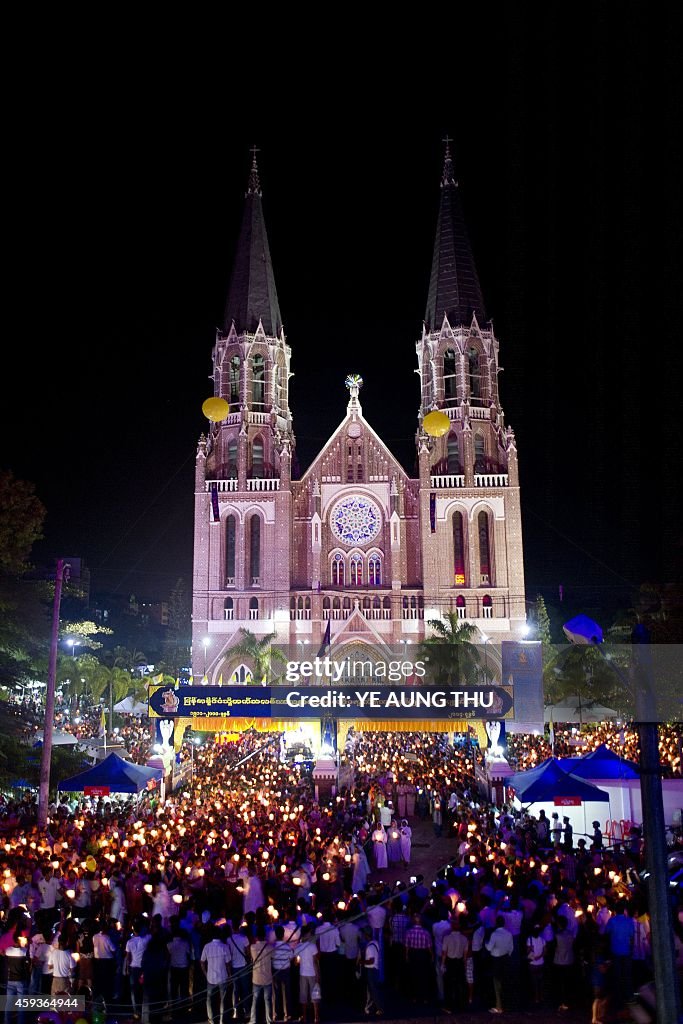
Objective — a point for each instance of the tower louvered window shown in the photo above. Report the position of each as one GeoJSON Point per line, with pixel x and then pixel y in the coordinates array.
{"type": "Point", "coordinates": [449, 382]}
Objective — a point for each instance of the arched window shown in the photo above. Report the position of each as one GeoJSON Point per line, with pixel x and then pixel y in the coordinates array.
{"type": "Point", "coordinates": [376, 608]}
{"type": "Point", "coordinates": [232, 456]}
{"type": "Point", "coordinates": [420, 607]}
{"type": "Point", "coordinates": [386, 608]}
{"type": "Point", "coordinates": [346, 607]}
{"type": "Point", "coordinates": [307, 608]}
{"type": "Point", "coordinates": [336, 608]}
{"type": "Point", "coordinates": [460, 607]}
{"type": "Point", "coordinates": [474, 368]}
{"type": "Point", "coordinates": [338, 571]}
{"type": "Point", "coordinates": [366, 607]}
{"type": "Point", "coordinates": [449, 388]}
{"type": "Point", "coordinates": [258, 382]}
{"type": "Point", "coordinates": [356, 566]}
{"type": "Point", "coordinates": [487, 607]}
{"type": "Point", "coordinates": [255, 551]}
{"type": "Point", "coordinates": [292, 608]}
{"type": "Point", "coordinates": [279, 387]}
{"type": "Point", "coordinates": [479, 453]}
{"type": "Point", "coordinates": [374, 570]}
{"type": "Point", "coordinates": [229, 608]}
{"type": "Point", "coordinates": [453, 463]}
{"type": "Point", "coordinates": [242, 674]}
{"type": "Point", "coordinates": [230, 534]}
{"type": "Point", "coordinates": [234, 377]}
{"type": "Point", "coordinates": [326, 607]}
{"type": "Point", "coordinates": [253, 608]}
{"type": "Point", "coordinates": [460, 576]}
{"type": "Point", "coordinates": [484, 548]}
{"type": "Point", "coordinates": [257, 458]}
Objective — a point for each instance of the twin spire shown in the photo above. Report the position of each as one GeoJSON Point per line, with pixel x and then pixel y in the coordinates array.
{"type": "Point", "coordinates": [454, 289]}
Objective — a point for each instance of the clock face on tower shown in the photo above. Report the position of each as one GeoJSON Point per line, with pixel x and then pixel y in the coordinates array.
{"type": "Point", "coordinates": [355, 520]}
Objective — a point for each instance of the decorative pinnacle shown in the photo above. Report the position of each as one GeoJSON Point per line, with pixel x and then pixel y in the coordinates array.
{"type": "Point", "coordinates": [354, 382]}
{"type": "Point", "coordinates": [254, 186]}
{"type": "Point", "coordinates": [447, 178]}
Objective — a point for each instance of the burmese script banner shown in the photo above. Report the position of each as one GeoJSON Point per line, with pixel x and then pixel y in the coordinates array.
{"type": "Point", "coordinates": [408, 703]}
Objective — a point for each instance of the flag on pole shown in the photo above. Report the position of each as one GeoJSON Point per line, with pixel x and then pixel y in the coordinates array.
{"type": "Point", "coordinates": [327, 641]}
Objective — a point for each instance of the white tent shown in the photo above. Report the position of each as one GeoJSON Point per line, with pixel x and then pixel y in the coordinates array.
{"type": "Point", "coordinates": [59, 739]}
{"type": "Point", "coordinates": [129, 706]}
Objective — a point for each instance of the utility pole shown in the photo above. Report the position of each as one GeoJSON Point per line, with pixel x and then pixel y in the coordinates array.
{"type": "Point", "coordinates": [46, 756]}
{"type": "Point", "coordinates": [654, 831]}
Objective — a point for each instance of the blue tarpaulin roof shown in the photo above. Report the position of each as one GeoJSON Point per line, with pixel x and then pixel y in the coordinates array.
{"type": "Point", "coordinates": [550, 780]}
{"type": "Point", "coordinates": [601, 763]}
{"type": "Point", "coordinates": [119, 775]}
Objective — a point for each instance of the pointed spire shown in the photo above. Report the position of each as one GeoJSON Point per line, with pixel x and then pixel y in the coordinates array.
{"type": "Point", "coordinates": [252, 296]}
{"type": "Point", "coordinates": [454, 289]}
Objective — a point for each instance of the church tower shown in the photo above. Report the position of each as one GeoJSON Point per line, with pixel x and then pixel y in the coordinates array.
{"type": "Point", "coordinates": [469, 485]}
{"type": "Point", "coordinates": [243, 467]}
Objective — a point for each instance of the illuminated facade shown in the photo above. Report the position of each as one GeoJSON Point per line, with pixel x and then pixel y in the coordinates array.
{"type": "Point", "coordinates": [355, 541]}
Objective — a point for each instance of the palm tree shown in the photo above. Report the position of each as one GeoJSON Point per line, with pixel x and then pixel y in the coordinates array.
{"type": "Point", "coordinates": [452, 656]}
{"type": "Point", "coordinates": [259, 652]}
{"type": "Point", "coordinates": [115, 682]}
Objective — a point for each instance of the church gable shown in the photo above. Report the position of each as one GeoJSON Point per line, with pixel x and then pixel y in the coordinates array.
{"type": "Point", "coordinates": [354, 454]}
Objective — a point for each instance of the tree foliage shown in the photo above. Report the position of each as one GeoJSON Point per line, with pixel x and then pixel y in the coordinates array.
{"type": "Point", "coordinates": [450, 653]}
{"type": "Point", "coordinates": [259, 653]}
{"type": "Point", "coordinates": [22, 516]}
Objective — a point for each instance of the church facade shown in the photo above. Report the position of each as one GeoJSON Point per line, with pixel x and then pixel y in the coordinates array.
{"type": "Point", "coordinates": [355, 543]}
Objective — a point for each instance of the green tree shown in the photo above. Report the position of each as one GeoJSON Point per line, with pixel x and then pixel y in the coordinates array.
{"type": "Point", "coordinates": [259, 653]}
{"type": "Point", "coordinates": [22, 516]}
{"type": "Point", "coordinates": [451, 655]}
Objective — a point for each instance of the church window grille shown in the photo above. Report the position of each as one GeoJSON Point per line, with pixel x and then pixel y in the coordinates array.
{"type": "Point", "coordinates": [487, 608]}
{"type": "Point", "coordinates": [232, 457]}
{"type": "Point", "coordinates": [257, 458]}
{"type": "Point", "coordinates": [230, 535]}
{"type": "Point", "coordinates": [253, 608]}
{"type": "Point", "coordinates": [453, 455]}
{"type": "Point", "coordinates": [346, 607]}
{"type": "Point", "coordinates": [258, 382]}
{"type": "Point", "coordinates": [356, 566]}
{"type": "Point", "coordinates": [242, 674]}
{"type": "Point", "coordinates": [377, 608]}
{"type": "Point", "coordinates": [386, 608]}
{"type": "Point", "coordinates": [449, 386]}
{"type": "Point", "coordinates": [460, 577]}
{"type": "Point", "coordinates": [326, 608]}
{"type": "Point", "coordinates": [229, 608]}
{"type": "Point", "coordinates": [366, 607]}
{"type": "Point", "coordinates": [479, 453]}
{"type": "Point", "coordinates": [420, 608]}
{"type": "Point", "coordinates": [255, 550]}
{"type": "Point", "coordinates": [460, 607]}
{"type": "Point", "coordinates": [374, 571]}
{"type": "Point", "coordinates": [336, 608]}
{"type": "Point", "coordinates": [474, 366]}
{"type": "Point", "coordinates": [484, 549]}
{"type": "Point", "coordinates": [234, 375]}
{"type": "Point", "coordinates": [338, 571]}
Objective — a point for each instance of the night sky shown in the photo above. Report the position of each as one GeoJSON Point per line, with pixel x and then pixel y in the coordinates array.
{"type": "Point", "coordinates": [126, 196]}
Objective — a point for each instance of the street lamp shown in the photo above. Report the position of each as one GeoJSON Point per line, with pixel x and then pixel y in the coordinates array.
{"type": "Point", "coordinates": [73, 644]}
{"type": "Point", "coordinates": [583, 630]}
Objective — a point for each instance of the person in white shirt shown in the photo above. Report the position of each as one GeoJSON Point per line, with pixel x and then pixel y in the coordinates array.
{"type": "Point", "coordinates": [500, 946]}
{"type": "Point", "coordinates": [453, 950]}
{"type": "Point", "coordinates": [214, 961]}
{"type": "Point", "coordinates": [329, 940]}
{"type": "Point", "coordinates": [63, 968]}
{"type": "Point", "coordinates": [371, 962]}
{"type": "Point", "coordinates": [135, 947]}
{"type": "Point", "coordinates": [439, 930]}
{"type": "Point", "coordinates": [104, 964]}
{"type": "Point", "coordinates": [309, 974]}
{"type": "Point", "coordinates": [238, 946]}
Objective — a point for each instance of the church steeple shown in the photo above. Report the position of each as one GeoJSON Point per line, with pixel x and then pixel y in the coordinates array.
{"type": "Point", "coordinates": [454, 289]}
{"type": "Point", "coordinates": [252, 296]}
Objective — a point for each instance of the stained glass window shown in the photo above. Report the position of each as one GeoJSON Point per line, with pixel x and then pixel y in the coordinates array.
{"type": "Point", "coordinates": [355, 520]}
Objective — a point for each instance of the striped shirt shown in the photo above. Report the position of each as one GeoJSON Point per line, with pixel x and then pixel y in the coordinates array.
{"type": "Point", "coordinates": [399, 927]}
{"type": "Point", "coordinates": [418, 937]}
{"type": "Point", "coordinates": [282, 956]}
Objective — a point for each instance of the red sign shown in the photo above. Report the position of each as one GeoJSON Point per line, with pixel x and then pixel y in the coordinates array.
{"type": "Point", "coordinates": [96, 790]}
{"type": "Point", "coordinates": [567, 801]}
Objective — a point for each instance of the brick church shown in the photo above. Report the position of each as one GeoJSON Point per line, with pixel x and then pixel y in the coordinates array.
{"type": "Point", "coordinates": [355, 541]}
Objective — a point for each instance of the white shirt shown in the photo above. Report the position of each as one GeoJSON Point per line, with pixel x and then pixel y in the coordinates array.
{"type": "Point", "coordinates": [500, 943]}
{"type": "Point", "coordinates": [454, 946]}
{"type": "Point", "coordinates": [216, 956]}
{"type": "Point", "coordinates": [48, 888]}
{"type": "Point", "coordinates": [307, 952]}
{"type": "Point", "coordinates": [103, 946]}
{"type": "Point", "coordinates": [136, 946]}
{"type": "Point", "coordinates": [237, 947]}
{"type": "Point", "coordinates": [328, 938]}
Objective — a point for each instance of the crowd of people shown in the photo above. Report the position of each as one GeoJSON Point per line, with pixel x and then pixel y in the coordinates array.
{"type": "Point", "coordinates": [243, 897]}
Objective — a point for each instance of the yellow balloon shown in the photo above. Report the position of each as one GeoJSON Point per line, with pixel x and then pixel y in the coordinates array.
{"type": "Point", "coordinates": [90, 863]}
{"type": "Point", "coordinates": [436, 423]}
{"type": "Point", "coordinates": [215, 409]}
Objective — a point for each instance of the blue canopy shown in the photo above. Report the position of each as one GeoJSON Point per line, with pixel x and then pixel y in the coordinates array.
{"type": "Point", "coordinates": [549, 781]}
{"type": "Point", "coordinates": [601, 763]}
{"type": "Point", "coordinates": [113, 772]}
